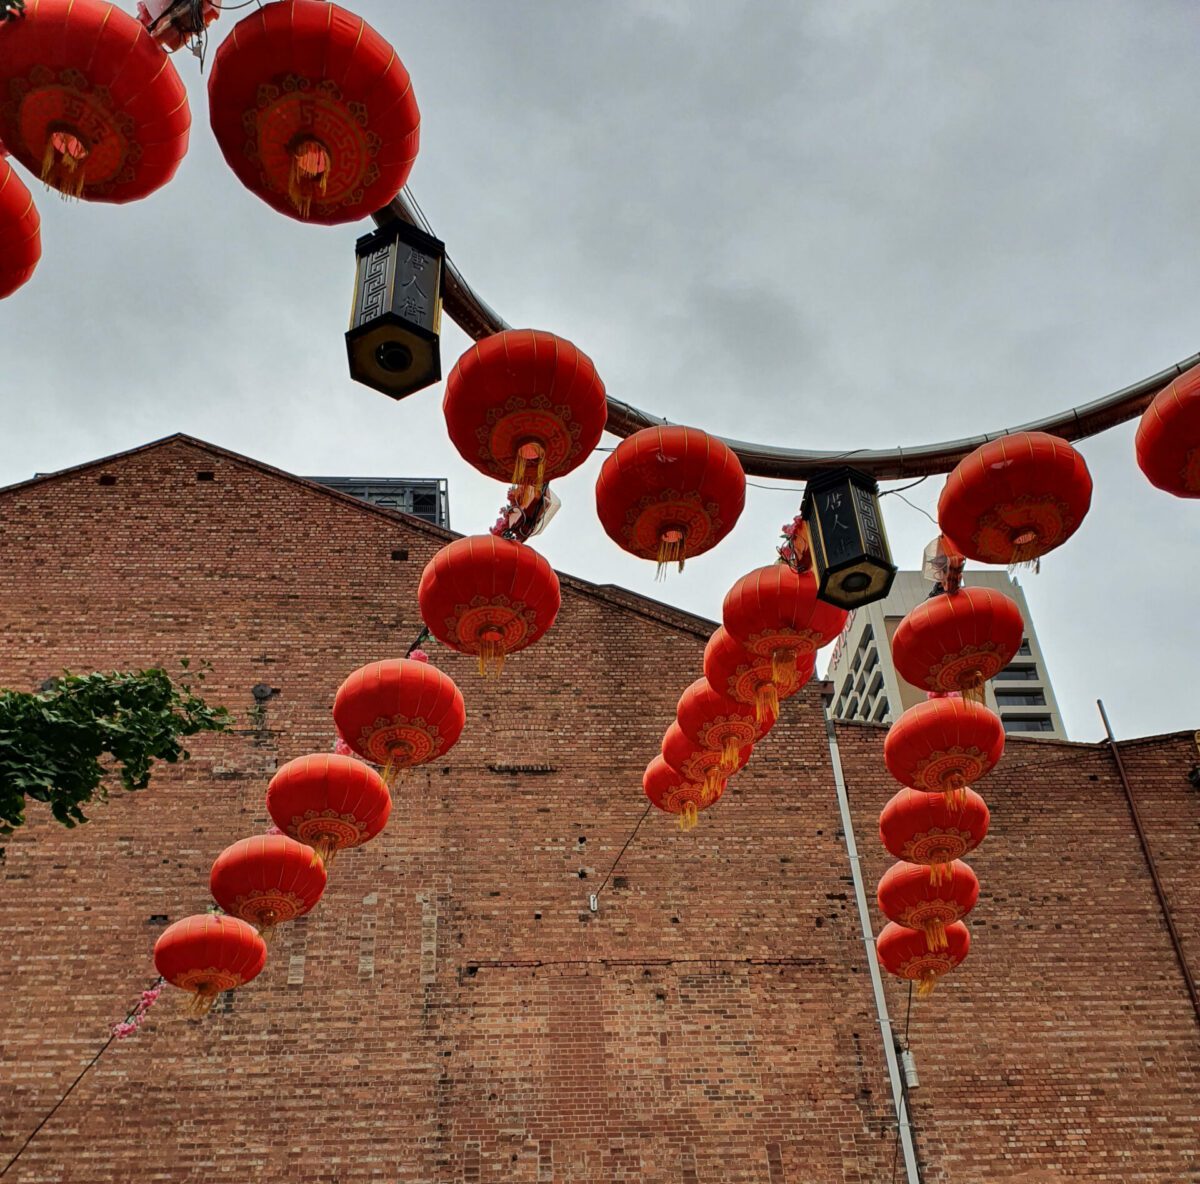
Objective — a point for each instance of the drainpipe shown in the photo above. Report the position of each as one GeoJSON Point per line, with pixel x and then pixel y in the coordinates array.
{"type": "Point", "coordinates": [1158, 884]}
{"type": "Point", "coordinates": [899, 1096]}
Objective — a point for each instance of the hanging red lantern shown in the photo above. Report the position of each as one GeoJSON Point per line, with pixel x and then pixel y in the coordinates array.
{"type": "Point", "coordinates": [943, 746]}
{"type": "Point", "coordinates": [693, 762]}
{"type": "Point", "coordinates": [329, 802]}
{"type": "Point", "coordinates": [526, 406]}
{"type": "Point", "coordinates": [313, 111]}
{"type": "Point", "coordinates": [1168, 437]}
{"type": "Point", "coordinates": [733, 670]}
{"type": "Point", "coordinates": [89, 102]}
{"type": "Point", "coordinates": [909, 895]}
{"type": "Point", "coordinates": [267, 880]}
{"type": "Point", "coordinates": [717, 723]}
{"type": "Point", "coordinates": [675, 794]}
{"type": "Point", "coordinates": [670, 493]}
{"type": "Point", "coordinates": [1015, 498]}
{"type": "Point", "coordinates": [20, 230]}
{"type": "Point", "coordinates": [957, 641]}
{"type": "Point", "coordinates": [924, 828]}
{"type": "Point", "coordinates": [774, 612]}
{"type": "Point", "coordinates": [905, 953]}
{"type": "Point", "coordinates": [399, 713]}
{"type": "Point", "coordinates": [488, 596]}
{"type": "Point", "coordinates": [209, 954]}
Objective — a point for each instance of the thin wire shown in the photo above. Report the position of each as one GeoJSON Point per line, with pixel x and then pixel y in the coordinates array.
{"type": "Point", "coordinates": [632, 836]}
{"type": "Point", "coordinates": [902, 488]}
{"type": "Point", "coordinates": [917, 508]}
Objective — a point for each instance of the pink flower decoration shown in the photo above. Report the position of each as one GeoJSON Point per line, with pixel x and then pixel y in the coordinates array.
{"type": "Point", "coordinates": [341, 748]}
{"type": "Point", "coordinates": [419, 656]}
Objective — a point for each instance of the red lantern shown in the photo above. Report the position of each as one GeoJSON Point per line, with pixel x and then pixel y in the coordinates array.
{"type": "Point", "coordinates": [733, 670]}
{"type": "Point", "coordinates": [718, 723]}
{"type": "Point", "coordinates": [909, 895]}
{"type": "Point", "coordinates": [488, 596]}
{"type": "Point", "coordinates": [924, 828]}
{"type": "Point", "coordinates": [1168, 437]}
{"type": "Point", "coordinates": [774, 612]}
{"type": "Point", "coordinates": [1015, 498]}
{"type": "Point", "coordinates": [89, 102]}
{"type": "Point", "coordinates": [526, 405]}
{"type": "Point", "coordinates": [20, 231]}
{"type": "Point", "coordinates": [329, 802]}
{"type": "Point", "coordinates": [314, 112]}
{"type": "Point", "coordinates": [957, 641]}
{"type": "Point", "coordinates": [267, 880]}
{"type": "Point", "coordinates": [670, 493]}
{"type": "Point", "coordinates": [209, 954]}
{"type": "Point", "coordinates": [399, 713]}
{"type": "Point", "coordinates": [693, 762]}
{"type": "Point", "coordinates": [904, 953]}
{"type": "Point", "coordinates": [943, 746]}
{"type": "Point", "coordinates": [675, 794]}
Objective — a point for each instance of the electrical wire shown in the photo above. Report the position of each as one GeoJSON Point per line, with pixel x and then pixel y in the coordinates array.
{"type": "Point", "coordinates": [621, 853]}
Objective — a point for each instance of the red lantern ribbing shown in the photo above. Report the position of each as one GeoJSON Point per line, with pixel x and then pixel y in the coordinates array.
{"type": "Point", "coordinates": [313, 111]}
{"type": "Point", "coordinates": [904, 953]}
{"type": "Point", "coordinates": [488, 596]}
{"type": "Point", "coordinates": [923, 828]}
{"type": "Point", "coordinates": [943, 746]}
{"type": "Point", "coordinates": [209, 954]}
{"type": "Point", "coordinates": [957, 641]}
{"type": "Point", "coordinates": [694, 762]}
{"type": "Point", "coordinates": [670, 493]}
{"type": "Point", "coordinates": [329, 802]}
{"type": "Point", "coordinates": [733, 670]}
{"type": "Point", "coordinates": [267, 879]}
{"type": "Point", "coordinates": [1168, 437]}
{"type": "Point", "coordinates": [909, 895]}
{"type": "Point", "coordinates": [675, 794]}
{"type": "Point", "coordinates": [774, 612]}
{"type": "Point", "coordinates": [20, 231]}
{"type": "Point", "coordinates": [525, 406]}
{"type": "Point", "coordinates": [1016, 498]}
{"type": "Point", "coordinates": [399, 713]}
{"type": "Point", "coordinates": [89, 102]}
{"type": "Point", "coordinates": [716, 722]}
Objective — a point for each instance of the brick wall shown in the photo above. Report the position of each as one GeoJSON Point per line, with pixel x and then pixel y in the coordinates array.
{"type": "Point", "coordinates": [452, 1011]}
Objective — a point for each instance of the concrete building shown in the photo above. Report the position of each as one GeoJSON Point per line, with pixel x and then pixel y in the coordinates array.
{"type": "Point", "coordinates": [867, 687]}
{"type": "Point", "coordinates": [427, 498]}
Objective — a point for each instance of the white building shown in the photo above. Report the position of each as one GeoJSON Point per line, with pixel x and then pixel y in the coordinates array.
{"type": "Point", "coordinates": [867, 687]}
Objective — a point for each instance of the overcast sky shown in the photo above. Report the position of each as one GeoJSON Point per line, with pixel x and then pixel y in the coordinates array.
{"type": "Point", "coordinates": [859, 223]}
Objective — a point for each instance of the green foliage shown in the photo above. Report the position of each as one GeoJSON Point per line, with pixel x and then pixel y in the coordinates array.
{"type": "Point", "coordinates": [57, 746]}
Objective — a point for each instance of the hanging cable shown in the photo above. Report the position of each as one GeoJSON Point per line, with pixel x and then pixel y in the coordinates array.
{"type": "Point", "coordinates": [632, 835]}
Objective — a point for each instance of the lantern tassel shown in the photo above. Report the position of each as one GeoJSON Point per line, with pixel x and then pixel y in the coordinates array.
{"type": "Point", "coordinates": [729, 754]}
{"type": "Point", "coordinates": [491, 657]}
{"type": "Point", "coordinates": [712, 784]}
{"type": "Point", "coordinates": [935, 934]}
{"type": "Point", "coordinates": [200, 1004]}
{"type": "Point", "coordinates": [528, 454]}
{"type": "Point", "coordinates": [326, 849]}
{"type": "Point", "coordinates": [975, 692]}
{"type": "Point", "coordinates": [689, 817]}
{"type": "Point", "coordinates": [671, 549]}
{"type": "Point", "coordinates": [925, 985]}
{"type": "Point", "coordinates": [939, 873]}
{"type": "Point", "coordinates": [1025, 556]}
{"type": "Point", "coordinates": [766, 703]}
{"type": "Point", "coordinates": [308, 176]}
{"type": "Point", "coordinates": [783, 667]}
{"type": "Point", "coordinates": [64, 164]}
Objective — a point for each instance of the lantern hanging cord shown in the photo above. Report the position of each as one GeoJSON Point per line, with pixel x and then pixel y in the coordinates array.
{"type": "Point", "coordinates": [68, 1092]}
{"type": "Point", "coordinates": [621, 853]}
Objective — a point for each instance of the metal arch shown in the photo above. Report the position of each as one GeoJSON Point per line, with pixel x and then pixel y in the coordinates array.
{"type": "Point", "coordinates": [478, 320]}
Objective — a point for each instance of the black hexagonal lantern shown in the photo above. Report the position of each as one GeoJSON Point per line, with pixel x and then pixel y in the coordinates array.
{"type": "Point", "coordinates": [393, 337]}
{"type": "Point", "coordinates": [851, 558]}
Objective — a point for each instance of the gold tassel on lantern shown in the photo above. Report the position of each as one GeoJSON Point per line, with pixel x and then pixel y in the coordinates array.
{"type": "Point", "coordinates": [309, 175]}
{"type": "Point", "coordinates": [1025, 553]}
{"type": "Point", "coordinates": [766, 703]}
{"type": "Point", "coordinates": [926, 984]}
{"type": "Point", "coordinates": [729, 754]}
{"type": "Point", "coordinates": [532, 452]}
{"type": "Point", "coordinates": [672, 545]}
{"type": "Point", "coordinates": [64, 162]}
{"type": "Point", "coordinates": [689, 816]}
{"type": "Point", "coordinates": [783, 667]}
{"type": "Point", "coordinates": [935, 934]}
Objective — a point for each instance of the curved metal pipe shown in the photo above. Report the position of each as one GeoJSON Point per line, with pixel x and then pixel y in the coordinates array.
{"type": "Point", "coordinates": [478, 319]}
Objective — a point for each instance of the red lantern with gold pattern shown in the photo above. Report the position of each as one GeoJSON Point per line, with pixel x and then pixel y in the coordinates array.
{"type": "Point", "coordinates": [910, 895]}
{"type": "Point", "coordinates": [399, 713]}
{"type": "Point", "coordinates": [718, 723]}
{"type": "Point", "coordinates": [733, 670]}
{"type": "Point", "coordinates": [89, 102]}
{"type": "Point", "coordinates": [329, 802]}
{"type": "Point", "coordinates": [1168, 437]}
{"type": "Point", "coordinates": [525, 406]}
{"type": "Point", "coordinates": [314, 112]}
{"type": "Point", "coordinates": [943, 746]}
{"type": "Point", "coordinates": [905, 953]}
{"type": "Point", "coordinates": [957, 641]}
{"type": "Point", "coordinates": [694, 762]}
{"type": "Point", "coordinates": [774, 612]}
{"type": "Point", "coordinates": [675, 794]}
{"type": "Point", "coordinates": [267, 879]}
{"type": "Point", "coordinates": [670, 493]}
{"type": "Point", "coordinates": [924, 828]}
{"type": "Point", "coordinates": [1015, 498]}
{"type": "Point", "coordinates": [209, 954]}
{"type": "Point", "coordinates": [488, 596]}
{"type": "Point", "coordinates": [20, 230]}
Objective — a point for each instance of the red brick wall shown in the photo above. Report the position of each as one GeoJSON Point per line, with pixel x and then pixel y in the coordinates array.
{"type": "Point", "coordinates": [452, 1011]}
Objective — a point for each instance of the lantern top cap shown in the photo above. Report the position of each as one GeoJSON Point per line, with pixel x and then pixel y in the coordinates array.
{"type": "Point", "coordinates": [400, 231]}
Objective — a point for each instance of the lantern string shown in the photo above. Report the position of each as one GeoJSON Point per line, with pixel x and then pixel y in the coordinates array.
{"type": "Point", "coordinates": [621, 853]}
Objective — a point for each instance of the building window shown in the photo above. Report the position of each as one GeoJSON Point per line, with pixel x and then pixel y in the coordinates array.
{"type": "Point", "coordinates": [1024, 651]}
{"type": "Point", "coordinates": [1020, 699]}
{"type": "Point", "coordinates": [1019, 674]}
{"type": "Point", "coordinates": [881, 710]}
{"type": "Point", "coordinates": [1028, 723]}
